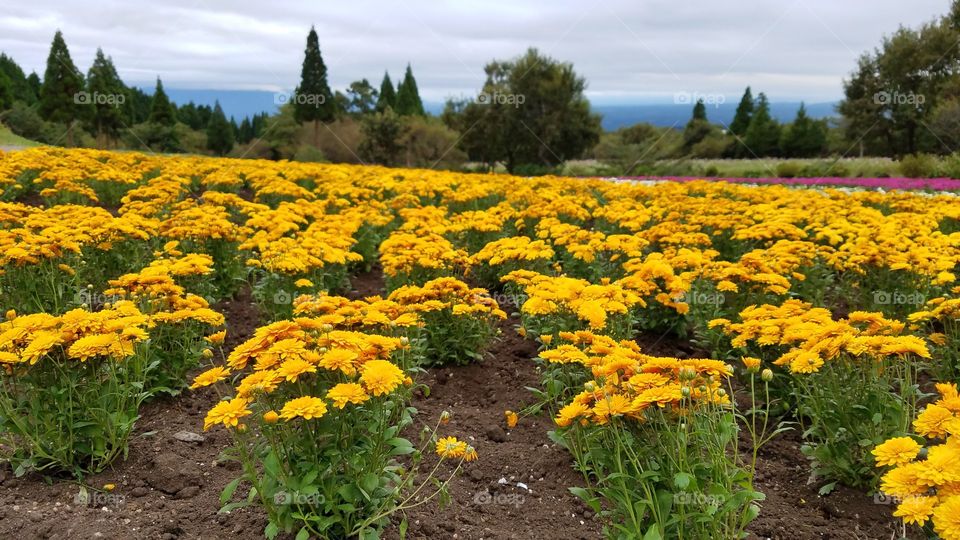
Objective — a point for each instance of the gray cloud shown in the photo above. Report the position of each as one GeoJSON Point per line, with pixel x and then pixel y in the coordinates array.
{"type": "Point", "coordinates": [629, 50]}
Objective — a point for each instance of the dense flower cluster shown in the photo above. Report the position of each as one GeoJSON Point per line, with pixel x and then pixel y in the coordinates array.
{"type": "Point", "coordinates": [926, 481]}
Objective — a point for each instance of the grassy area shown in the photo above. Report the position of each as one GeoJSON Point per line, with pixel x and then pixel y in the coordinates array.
{"type": "Point", "coordinates": [868, 167]}
{"type": "Point", "coordinates": [8, 138]}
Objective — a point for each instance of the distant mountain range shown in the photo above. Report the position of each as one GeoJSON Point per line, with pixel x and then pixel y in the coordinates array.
{"type": "Point", "coordinates": [241, 103]}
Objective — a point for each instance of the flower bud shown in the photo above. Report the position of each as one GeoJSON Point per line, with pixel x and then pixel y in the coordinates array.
{"type": "Point", "coordinates": [767, 375]}
{"type": "Point", "coordinates": [271, 417]}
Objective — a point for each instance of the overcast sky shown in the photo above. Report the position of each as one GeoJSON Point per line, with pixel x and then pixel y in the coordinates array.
{"type": "Point", "coordinates": [630, 51]}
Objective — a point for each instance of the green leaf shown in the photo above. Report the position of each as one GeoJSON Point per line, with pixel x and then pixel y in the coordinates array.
{"type": "Point", "coordinates": [304, 534]}
{"type": "Point", "coordinates": [681, 480]}
{"type": "Point", "coordinates": [403, 529]}
{"type": "Point", "coordinates": [369, 482]}
{"type": "Point", "coordinates": [825, 490]}
{"type": "Point", "coordinates": [652, 534]}
{"type": "Point", "coordinates": [271, 531]}
{"type": "Point", "coordinates": [227, 492]}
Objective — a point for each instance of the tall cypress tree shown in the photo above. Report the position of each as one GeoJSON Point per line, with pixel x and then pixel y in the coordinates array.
{"type": "Point", "coordinates": [161, 110]}
{"type": "Point", "coordinates": [62, 84]}
{"type": "Point", "coordinates": [313, 99]}
{"type": "Point", "coordinates": [220, 134]}
{"type": "Point", "coordinates": [388, 96]}
{"type": "Point", "coordinates": [741, 120]}
{"type": "Point", "coordinates": [763, 134]}
{"type": "Point", "coordinates": [408, 96]}
{"type": "Point", "coordinates": [107, 96]}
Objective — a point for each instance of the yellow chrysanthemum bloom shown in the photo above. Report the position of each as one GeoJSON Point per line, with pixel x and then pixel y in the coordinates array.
{"type": "Point", "coordinates": [915, 510]}
{"type": "Point", "coordinates": [292, 369]}
{"type": "Point", "coordinates": [306, 407]}
{"type": "Point", "coordinates": [896, 451]}
{"type": "Point", "coordinates": [344, 393]}
{"type": "Point", "coordinates": [209, 377]}
{"type": "Point", "coordinates": [381, 377]}
{"type": "Point", "coordinates": [227, 413]}
{"type": "Point", "coordinates": [451, 448]}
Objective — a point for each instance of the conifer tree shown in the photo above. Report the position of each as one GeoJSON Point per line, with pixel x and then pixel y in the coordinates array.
{"type": "Point", "coordinates": [388, 95]}
{"type": "Point", "coordinates": [220, 134]}
{"type": "Point", "coordinates": [762, 137]}
{"type": "Point", "coordinates": [106, 96]}
{"type": "Point", "coordinates": [161, 110]}
{"type": "Point", "coordinates": [313, 100]}
{"type": "Point", "coordinates": [408, 96]}
{"type": "Point", "coordinates": [60, 99]}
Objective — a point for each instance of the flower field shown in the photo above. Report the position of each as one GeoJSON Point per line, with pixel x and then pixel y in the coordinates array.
{"type": "Point", "coordinates": [330, 336]}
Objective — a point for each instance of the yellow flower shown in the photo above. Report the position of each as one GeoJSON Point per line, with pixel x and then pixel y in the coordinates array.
{"type": "Point", "coordinates": [306, 407]}
{"type": "Point", "coordinates": [217, 338]}
{"type": "Point", "coordinates": [946, 518]}
{"type": "Point", "coordinates": [209, 377]}
{"type": "Point", "coordinates": [109, 487]}
{"type": "Point", "coordinates": [302, 283]}
{"type": "Point", "coordinates": [931, 423]}
{"type": "Point", "coordinates": [571, 412]}
{"type": "Point", "coordinates": [271, 417]}
{"type": "Point", "coordinates": [806, 362]}
{"type": "Point", "coordinates": [344, 393]}
{"type": "Point", "coordinates": [227, 413]}
{"type": "Point", "coordinates": [896, 451]}
{"type": "Point", "coordinates": [511, 418]}
{"type": "Point", "coordinates": [339, 359]}
{"type": "Point", "coordinates": [451, 448]}
{"type": "Point", "coordinates": [915, 510]}
{"type": "Point", "coordinates": [293, 368]}
{"type": "Point", "coordinates": [752, 364]}
{"type": "Point", "coordinates": [381, 377]}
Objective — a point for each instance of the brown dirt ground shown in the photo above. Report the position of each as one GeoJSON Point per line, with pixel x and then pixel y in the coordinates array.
{"type": "Point", "coordinates": [170, 489]}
